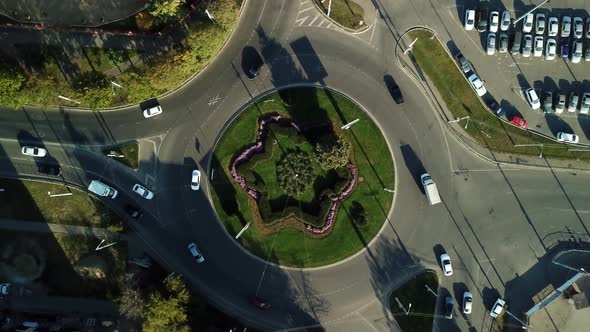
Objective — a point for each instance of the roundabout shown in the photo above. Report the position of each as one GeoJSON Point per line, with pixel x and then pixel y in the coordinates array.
{"type": "Point", "coordinates": [342, 204]}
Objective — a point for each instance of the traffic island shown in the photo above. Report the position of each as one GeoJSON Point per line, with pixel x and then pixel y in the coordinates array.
{"type": "Point", "coordinates": [414, 303]}
{"type": "Point", "coordinates": [347, 13]}
{"type": "Point", "coordinates": [306, 170]}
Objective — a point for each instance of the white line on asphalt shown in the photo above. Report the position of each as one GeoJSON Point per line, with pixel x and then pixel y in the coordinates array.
{"type": "Point", "coordinates": [306, 9]}
{"type": "Point", "coordinates": [374, 28]}
{"type": "Point", "coordinates": [322, 23]}
{"type": "Point", "coordinates": [301, 20]}
{"type": "Point", "coordinates": [314, 19]}
{"type": "Point", "coordinates": [304, 2]}
{"type": "Point", "coordinates": [465, 32]}
{"type": "Point", "coordinates": [366, 321]}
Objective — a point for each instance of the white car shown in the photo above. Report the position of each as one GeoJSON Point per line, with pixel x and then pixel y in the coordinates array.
{"type": "Point", "coordinates": [577, 51]}
{"type": "Point", "coordinates": [491, 47]}
{"type": "Point", "coordinates": [538, 48]}
{"type": "Point", "coordinates": [550, 49]}
{"type": "Point", "coordinates": [553, 26]}
{"type": "Point", "coordinates": [585, 103]}
{"type": "Point", "coordinates": [192, 248]}
{"type": "Point", "coordinates": [477, 84]}
{"type": "Point", "coordinates": [573, 105]}
{"type": "Point", "coordinates": [196, 180]}
{"type": "Point", "coordinates": [152, 111]}
{"type": "Point", "coordinates": [578, 27]}
{"type": "Point", "coordinates": [33, 151]}
{"type": "Point", "coordinates": [532, 98]}
{"type": "Point", "coordinates": [588, 27]}
{"type": "Point", "coordinates": [566, 25]}
{"type": "Point", "coordinates": [143, 191]}
{"type": "Point", "coordinates": [505, 23]}
{"type": "Point", "coordinates": [445, 262]}
{"type": "Point", "coordinates": [469, 19]}
{"type": "Point", "coordinates": [528, 46]}
{"type": "Point", "coordinates": [4, 288]}
{"type": "Point", "coordinates": [497, 308]}
{"type": "Point", "coordinates": [467, 302]}
{"type": "Point", "coordinates": [567, 138]}
{"type": "Point", "coordinates": [494, 21]}
{"type": "Point", "coordinates": [540, 26]}
{"type": "Point", "coordinates": [560, 105]}
{"type": "Point", "coordinates": [527, 25]}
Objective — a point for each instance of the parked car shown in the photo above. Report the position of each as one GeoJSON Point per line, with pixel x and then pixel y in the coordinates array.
{"type": "Point", "coordinates": [469, 19]}
{"type": "Point", "coordinates": [553, 26]}
{"type": "Point", "coordinates": [448, 307]}
{"type": "Point", "coordinates": [482, 15]}
{"type": "Point", "coordinates": [540, 26]}
{"type": "Point", "coordinates": [505, 23]}
{"type": "Point", "coordinates": [152, 111]}
{"type": "Point", "coordinates": [495, 107]}
{"type": "Point", "coordinates": [491, 48]}
{"type": "Point", "coordinates": [516, 42]}
{"type": "Point", "coordinates": [578, 27]}
{"type": "Point", "coordinates": [34, 151]}
{"type": "Point", "coordinates": [531, 97]}
{"type": "Point", "coordinates": [196, 180]}
{"type": "Point", "coordinates": [519, 122]}
{"type": "Point", "coordinates": [567, 138]}
{"type": "Point", "coordinates": [550, 49]}
{"type": "Point", "coordinates": [588, 27]}
{"type": "Point", "coordinates": [445, 262]}
{"type": "Point", "coordinates": [467, 302]}
{"type": "Point", "coordinates": [538, 48]}
{"type": "Point", "coordinates": [560, 105]}
{"type": "Point", "coordinates": [497, 308]}
{"type": "Point", "coordinates": [566, 25]}
{"type": "Point", "coordinates": [133, 212]}
{"type": "Point", "coordinates": [587, 53]}
{"type": "Point", "coordinates": [463, 63]}
{"type": "Point", "coordinates": [4, 288]}
{"type": "Point", "coordinates": [503, 45]}
{"type": "Point", "coordinates": [494, 21]}
{"type": "Point", "coordinates": [527, 25]}
{"type": "Point", "coordinates": [564, 48]}
{"type": "Point", "coordinates": [573, 104]}
{"type": "Point", "coordinates": [577, 51]}
{"type": "Point", "coordinates": [528, 46]}
{"type": "Point", "coordinates": [260, 303]}
{"type": "Point", "coordinates": [548, 104]}
{"type": "Point", "coordinates": [49, 169]}
{"type": "Point", "coordinates": [143, 191]}
{"type": "Point", "coordinates": [194, 251]}
{"type": "Point", "coordinates": [477, 84]}
{"type": "Point", "coordinates": [585, 107]}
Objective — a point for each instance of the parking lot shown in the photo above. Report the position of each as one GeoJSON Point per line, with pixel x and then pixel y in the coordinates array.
{"type": "Point", "coordinates": [506, 76]}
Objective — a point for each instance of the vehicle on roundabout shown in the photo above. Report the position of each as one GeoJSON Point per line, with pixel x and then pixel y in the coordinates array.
{"type": "Point", "coordinates": [260, 303]}
{"type": "Point", "coordinates": [49, 169]}
{"type": "Point", "coordinates": [445, 262]}
{"type": "Point", "coordinates": [143, 191]}
{"type": "Point", "coordinates": [133, 212]}
{"type": "Point", "coordinates": [194, 251]}
{"type": "Point", "coordinates": [33, 151]}
{"type": "Point", "coordinates": [152, 111]}
{"type": "Point", "coordinates": [196, 180]}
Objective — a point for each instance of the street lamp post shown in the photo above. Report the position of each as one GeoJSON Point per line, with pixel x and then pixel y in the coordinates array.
{"type": "Point", "coordinates": [541, 145]}
{"type": "Point", "coordinates": [461, 119]}
{"type": "Point", "coordinates": [410, 46]}
{"type": "Point", "coordinates": [348, 125]}
{"type": "Point", "coordinates": [68, 99]}
{"type": "Point", "coordinates": [58, 195]}
{"type": "Point", "coordinates": [114, 154]}
{"type": "Point", "coordinates": [113, 85]}
{"type": "Point", "coordinates": [530, 11]}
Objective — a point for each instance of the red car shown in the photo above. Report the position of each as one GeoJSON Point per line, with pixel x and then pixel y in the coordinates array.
{"type": "Point", "coordinates": [260, 303]}
{"type": "Point", "coordinates": [519, 122]}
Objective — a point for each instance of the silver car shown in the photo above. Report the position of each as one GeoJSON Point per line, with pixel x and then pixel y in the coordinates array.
{"type": "Point", "coordinates": [550, 49]}
{"type": "Point", "coordinates": [560, 104]}
{"type": "Point", "coordinates": [503, 46]}
{"type": "Point", "coordinates": [577, 51]}
{"type": "Point", "coordinates": [540, 26]}
{"type": "Point", "coordinates": [573, 105]}
{"type": "Point", "coordinates": [566, 26]}
{"type": "Point", "coordinates": [585, 107]}
{"type": "Point", "coordinates": [538, 49]}
{"type": "Point", "coordinates": [578, 27]}
{"type": "Point", "coordinates": [33, 151]}
{"type": "Point", "coordinates": [528, 46]}
{"type": "Point", "coordinates": [491, 44]}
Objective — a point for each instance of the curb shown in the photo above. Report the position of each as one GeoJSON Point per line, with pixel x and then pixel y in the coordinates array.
{"type": "Point", "coordinates": [352, 31]}
{"type": "Point", "coordinates": [289, 268]}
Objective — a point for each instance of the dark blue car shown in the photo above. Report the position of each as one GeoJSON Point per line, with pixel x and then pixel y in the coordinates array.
{"type": "Point", "coordinates": [565, 48]}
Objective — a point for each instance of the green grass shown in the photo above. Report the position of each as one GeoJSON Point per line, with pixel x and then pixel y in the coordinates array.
{"type": "Point", "coordinates": [461, 100]}
{"type": "Point", "coordinates": [28, 200]}
{"type": "Point", "coordinates": [49, 259]}
{"type": "Point", "coordinates": [292, 247]}
{"type": "Point", "coordinates": [423, 303]}
{"type": "Point", "coordinates": [130, 152]}
{"type": "Point", "coordinates": [346, 12]}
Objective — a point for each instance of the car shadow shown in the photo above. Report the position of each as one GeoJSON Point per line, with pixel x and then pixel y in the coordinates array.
{"type": "Point", "coordinates": [556, 124]}
{"type": "Point", "coordinates": [413, 164]}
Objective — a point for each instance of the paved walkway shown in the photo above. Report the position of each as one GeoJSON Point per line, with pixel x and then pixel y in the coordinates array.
{"type": "Point", "coordinates": [42, 227]}
{"type": "Point", "coordinates": [70, 12]}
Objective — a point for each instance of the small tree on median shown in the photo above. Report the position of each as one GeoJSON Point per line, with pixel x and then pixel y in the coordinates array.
{"type": "Point", "coordinates": [168, 312]}
{"type": "Point", "coordinates": [165, 10]}
{"type": "Point", "coordinates": [333, 152]}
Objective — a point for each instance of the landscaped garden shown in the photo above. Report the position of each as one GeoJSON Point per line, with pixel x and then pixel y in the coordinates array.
{"type": "Point", "coordinates": [346, 12]}
{"type": "Point", "coordinates": [421, 314]}
{"type": "Point", "coordinates": [313, 192]}
{"type": "Point", "coordinates": [462, 101]}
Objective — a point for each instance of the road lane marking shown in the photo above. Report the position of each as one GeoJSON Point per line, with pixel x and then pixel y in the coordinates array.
{"type": "Point", "coordinates": [300, 21]}
{"type": "Point", "coordinates": [314, 19]}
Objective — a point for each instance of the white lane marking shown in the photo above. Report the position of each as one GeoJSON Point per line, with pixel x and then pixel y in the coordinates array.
{"type": "Point", "coordinates": [314, 19]}
{"type": "Point", "coordinates": [367, 321]}
{"type": "Point", "coordinates": [322, 23]}
{"type": "Point", "coordinates": [214, 100]}
{"type": "Point", "coordinates": [306, 9]}
{"type": "Point", "coordinates": [301, 20]}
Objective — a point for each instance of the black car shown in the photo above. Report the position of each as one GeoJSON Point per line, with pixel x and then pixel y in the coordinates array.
{"type": "Point", "coordinates": [564, 48]}
{"type": "Point", "coordinates": [54, 170]}
{"type": "Point", "coordinates": [251, 62]}
{"type": "Point", "coordinates": [394, 89]}
{"type": "Point", "coordinates": [495, 107]}
{"type": "Point", "coordinates": [133, 212]}
{"type": "Point", "coordinates": [448, 307]}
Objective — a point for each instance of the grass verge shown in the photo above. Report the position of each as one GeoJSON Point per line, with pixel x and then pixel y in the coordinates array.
{"type": "Point", "coordinates": [65, 265]}
{"type": "Point", "coordinates": [291, 247]}
{"type": "Point", "coordinates": [346, 12]}
{"type": "Point", "coordinates": [462, 101]}
{"type": "Point", "coordinates": [29, 200]}
{"type": "Point", "coordinates": [129, 153]}
{"type": "Point", "coordinates": [423, 303]}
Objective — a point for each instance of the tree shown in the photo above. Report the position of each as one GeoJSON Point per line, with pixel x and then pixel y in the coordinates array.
{"type": "Point", "coordinates": [333, 152]}
{"type": "Point", "coordinates": [168, 312]}
{"type": "Point", "coordinates": [295, 172]}
{"type": "Point", "coordinates": [132, 300]}
{"type": "Point", "coordinates": [164, 10]}
{"type": "Point", "coordinates": [11, 82]}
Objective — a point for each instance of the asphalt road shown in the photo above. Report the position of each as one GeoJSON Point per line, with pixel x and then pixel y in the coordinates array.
{"type": "Point", "coordinates": [496, 222]}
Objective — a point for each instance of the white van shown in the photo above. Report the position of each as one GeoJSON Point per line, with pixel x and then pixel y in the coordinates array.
{"type": "Point", "coordinates": [102, 189]}
{"type": "Point", "coordinates": [430, 189]}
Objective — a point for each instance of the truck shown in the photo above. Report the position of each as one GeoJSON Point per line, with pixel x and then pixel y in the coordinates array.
{"type": "Point", "coordinates": [102, 189]}
{"type": "Point", "coordinates": [430, 189]}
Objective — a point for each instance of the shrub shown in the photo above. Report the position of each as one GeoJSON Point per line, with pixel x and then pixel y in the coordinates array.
{"type": "Point", "coordinates": [295, 172]}
{"type": "Point", "coordinates": [333, 152]}
{"type": "Point", "coordinates": [166, 10]}
{"type": "Point", "coordinates": [11, 82]}
{"type": "Point", "coordinates": [358, 213]}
